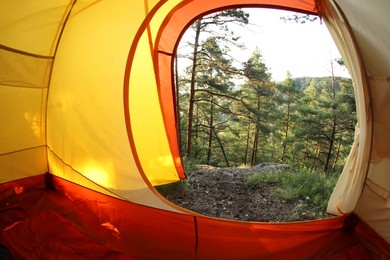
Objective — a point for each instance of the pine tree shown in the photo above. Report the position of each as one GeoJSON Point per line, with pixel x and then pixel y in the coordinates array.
{"type": "Point", "coordinates": [287, 99]}
{"type": "Point", "coordinates": [208, 25]}
{"type": "Point", "coordinates": [257, 91]}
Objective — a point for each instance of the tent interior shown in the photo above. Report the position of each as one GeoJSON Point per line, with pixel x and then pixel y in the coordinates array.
{"type": "Point", "coordinates": [88, 129]}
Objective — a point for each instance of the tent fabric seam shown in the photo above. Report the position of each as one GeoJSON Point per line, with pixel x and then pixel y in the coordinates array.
{"type": "Point", "coordinates": [384, 193]}
{"type": "Point", "coordinates": [76, 171]}
{"type": "Point", "coordinates": [56, 46]}
{"type": "Point", "coordinates": [156, 66]}
{"type": "Point", "coordinates": [22, 150]}
{"type": "Point", "coordinates": [126, 89]}
{"type": "Point", "coordinates": [379, 78]}
{"type": "Point", "coordinates": [38, 56]}
{"type": "Point", "coordinates": [196, 236]}
{"type": "Point", "coordinates": [26, 87]}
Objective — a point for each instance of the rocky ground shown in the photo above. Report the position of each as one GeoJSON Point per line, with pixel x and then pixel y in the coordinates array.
{"type": "Point", "coordinates": [223, 193]}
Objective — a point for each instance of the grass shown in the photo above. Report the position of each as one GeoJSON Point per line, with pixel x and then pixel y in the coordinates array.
{"type": "Point", "coordinates": [244, 166]}
{"type": "Point", "coordinates": [314, 188]}
{"type": "Point", "coordinates": [189, 165]}
{"type": "Point", "coordinates": [180, 187]}
{"type": "Point", "coordinates": [172, 189]}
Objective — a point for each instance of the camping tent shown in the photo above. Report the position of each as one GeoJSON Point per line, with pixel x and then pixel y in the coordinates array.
{"type": "Point", "coordinates": [88, 128]}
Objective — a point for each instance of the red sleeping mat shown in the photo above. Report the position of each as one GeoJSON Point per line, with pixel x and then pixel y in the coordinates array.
{"type": "Point", "coordinates": [49, 235]}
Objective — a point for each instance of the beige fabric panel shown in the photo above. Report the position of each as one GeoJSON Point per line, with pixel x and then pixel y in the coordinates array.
{"type": "Point", "coordinates": [374, 204]}
{"type": "Point", "coordinates": [146, 197]}
{"type": "Point", "coordinates": [368, 197]}
{"type": "Point", "coordinates": [374, 208]}
{"type": "Point", "coordinates": [23, 164]}
{"type": "Point", "coordinates": [380, 155]}
{"type": "Point", "coordinates": [347, 192]}
{"type": "Point", "coordinates": [370, 22]}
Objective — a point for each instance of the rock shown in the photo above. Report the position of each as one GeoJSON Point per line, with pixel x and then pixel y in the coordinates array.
{"type": "Point", "coordinates": [310, 216]}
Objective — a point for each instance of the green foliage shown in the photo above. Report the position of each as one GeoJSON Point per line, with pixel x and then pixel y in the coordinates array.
{"type": "Point", "coordinates": [262, 179]}
{"type": "Point", "coordinates": [180, 187]}
{"type": "Point", "coordinates": [190, 165]}
{"type": "Point", "coordinates": [172, 189]}
{"type": "Point", "coordinates": [306, 185]}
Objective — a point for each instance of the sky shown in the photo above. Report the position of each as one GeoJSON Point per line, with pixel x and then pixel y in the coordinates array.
{"type": "Point", "coordinates": [302, 49]}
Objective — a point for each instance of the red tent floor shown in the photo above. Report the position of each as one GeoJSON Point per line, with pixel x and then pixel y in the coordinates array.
{"type": "Point", "coordinates": [46, 217]}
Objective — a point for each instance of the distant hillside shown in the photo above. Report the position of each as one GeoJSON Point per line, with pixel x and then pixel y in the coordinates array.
{"type": "Point", "coordinates": [303, 82]}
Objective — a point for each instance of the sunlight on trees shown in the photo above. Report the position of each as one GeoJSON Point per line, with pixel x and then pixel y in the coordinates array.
{"type": "Point", "coordinates": [233, 113]}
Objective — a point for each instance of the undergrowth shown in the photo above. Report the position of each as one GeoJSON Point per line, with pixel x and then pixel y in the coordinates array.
{"type": "Point", "coordinates": [172, 189]}
{"type": "Point", "coordinates": [175, 188]}
{"type": "Point", "coordinates": [314, 188]}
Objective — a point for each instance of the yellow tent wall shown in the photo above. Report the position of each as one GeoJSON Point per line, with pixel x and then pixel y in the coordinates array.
{"type": "Point", "coordinates": [27, 43]}
{"type": "Point", "coordinates": [77, 130]}
{"type": "Point", "coordinates": [86, 133]}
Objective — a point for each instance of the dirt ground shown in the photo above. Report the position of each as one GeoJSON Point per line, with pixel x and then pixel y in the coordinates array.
{"type": "Point", "coordinates": [223, 193]}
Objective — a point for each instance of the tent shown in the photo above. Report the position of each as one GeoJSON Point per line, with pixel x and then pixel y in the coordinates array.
{"type": "Point", "coordinates": [88, 129]}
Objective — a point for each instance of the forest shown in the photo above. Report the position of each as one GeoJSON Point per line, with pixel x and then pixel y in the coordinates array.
{"type": "Point", "coordinates": [234, 113]}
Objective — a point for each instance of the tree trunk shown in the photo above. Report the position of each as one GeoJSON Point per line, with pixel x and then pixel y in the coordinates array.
{"type": "Point", "coordinates": [336, 156]}
{"type": "Point", "coordinates": [247, 144]}
{"type": "Point", "coordinates": [192, 90]}
{"type": "Point", "coordinates": [332, 136]}
{"type": "Point", "coordinates": [306, 154]}
{"type": "Point", "coordinates": [273, 149]}
{"type": "Point", "coordinates": [318, 152]}
{"type": "Point", "coordinates": [210, 131]}
{"type": "Point", "coordinates": [255, 144]}
{"type": "Point", "coordinates": [178, 106]}
{"type": "Point", "coordinates": [331, 142]}
{"type": "Point", "coordinates": [222, 149]}
{"type": "Point", "coordinates": [257, 133]}
{"type": "Point", "coordinates": [286, 133]}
